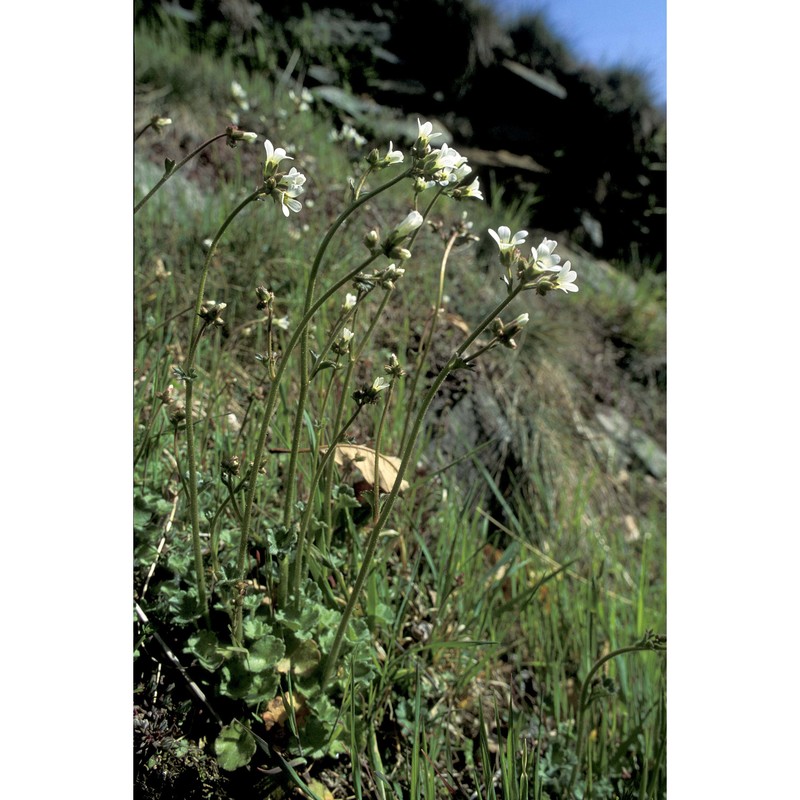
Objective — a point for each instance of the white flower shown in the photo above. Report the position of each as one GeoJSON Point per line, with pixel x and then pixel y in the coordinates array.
{"type": "Point", "coordinates": [449, 157]}
{"type": "Point", "coordinates": [521, 320]}
{"type": "Point", "coordinates": [347, 334]}
{"type": "Point", "coordinates": [408, 225]}
{"type": "Point", "coordinates": [472, 190]}
{"type": "Point", "coordinates": [505, 241]}
{"type": "Point", "coordinates": [235, 135]}
{"type": "Point", "coordinates": [303, 100]}
{"type": "Point", "coordinates": [287, 202]}
{"type": "Point", "coordinates": [543, 256]}
{"type": "Point", "coordinates": [293, 179]}
{"type": "Point", "coordinates": [347, 134]}
{"type": "Point", "coordinates": [393, 156]}
{"type": "Point", "coordinates": [379, 384]}
{"type": "Point", "coordinates": [274, 157]}
{"type": "Point", "coordinates": [424, 135]}
{"type": "Point", "coordinates": [282, 323]}
{"type": "Point", "coordinates": [240, 95]}
{"type": "Point", "coordinates": [565, 280]}
{"type": "Point", "coordinates": [349, 302]}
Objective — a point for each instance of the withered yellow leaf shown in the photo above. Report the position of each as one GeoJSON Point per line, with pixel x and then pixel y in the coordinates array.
{"type": "Point", "coordinates": [363, 458]}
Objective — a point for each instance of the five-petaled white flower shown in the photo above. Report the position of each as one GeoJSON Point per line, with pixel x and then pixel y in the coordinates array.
{"type": "Point", "coordinates": [274, 157]}
{"type": "Point", "coordinates": [473, 190]}
{"type": "Point", "coordinates": [393, 156]}
{"type": "Point", "coordinates": [565, 280]}
{"type": "Point", "coordinates": [293, 179]}
{"type": "Point", "coordinates": [424, 129]}
{"type": "Point", "coordinates": [505, 241]}
{"type": "Point", "coordinates": [287, 200]}
{"type": "Point", "coordinates": [543, 256]}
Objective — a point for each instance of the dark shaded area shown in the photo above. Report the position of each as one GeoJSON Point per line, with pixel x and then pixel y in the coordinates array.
{"type": "Point", "coordinates": [596, 138]}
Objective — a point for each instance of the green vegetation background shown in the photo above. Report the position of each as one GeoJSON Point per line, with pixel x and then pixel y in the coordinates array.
{"type": "Point", "coordinates": [522, 569]}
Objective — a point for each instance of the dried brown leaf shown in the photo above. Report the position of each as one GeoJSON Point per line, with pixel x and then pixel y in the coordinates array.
{"type": "Point", "coordinates": [363, 458]}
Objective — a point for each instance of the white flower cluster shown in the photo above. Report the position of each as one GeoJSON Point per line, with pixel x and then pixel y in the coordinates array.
{"type": "Point", "coordinates": [283, 187]}
{"type": "Point", "coordinates": [240, 96]}
{"type": "Point", "coordinates": [303, 100]}
{"type": "Point", "coordinates": [347, 134]}
{"type": "Point", "coordinates": [536, 272]}
{"type": "Point", "coordinates": [444, 167]}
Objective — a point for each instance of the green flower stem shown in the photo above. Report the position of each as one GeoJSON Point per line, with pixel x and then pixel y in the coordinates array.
{"type": "Point", "coordinates": [483, 349]}
{"type": "Point", "coordinates": [425, 344]}
{"type": "Point", "coordinates": [310, 288]}
{"type": "Point", "coordinates": [372, 541]}
{"type": "Point", "coordinates": [376, 478]}
{"type": "Point", "coordinates": [191, 455]}
{"type": "Point", "coordinates": [148, 430]}
{"type": "Point", "coordinates": [168, 174]}
{"type": "Point", "coordinates": [301, 535]}
{"type": "Point", "coordinates": [328, 485]}
{"type": "Point", "coordinates": [202, 597]}
{"type": "Point", "coordinates": [355, 355]}
{"type": "Point", "coordinates": [271, 404]}
{"type": "Point", "coordinates": [149, 125]}
{"type": "Point", "coordinates": [648, 642]}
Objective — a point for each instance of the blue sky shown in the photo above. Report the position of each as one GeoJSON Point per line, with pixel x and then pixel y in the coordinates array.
{"type": "Point", "coordinates": [608, 32]}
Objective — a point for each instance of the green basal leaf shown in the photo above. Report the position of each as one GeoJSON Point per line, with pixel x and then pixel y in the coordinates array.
{"type": "Point", "coordinates": [205, 647]}
{"type": "Point", "coordinates": [239, 682]}
{"type": "Point", "coordinates": [281, 539]}
{"type": "Point", "coordinates": [183, 605]}
{"type": "Point", "coordinates": [305, 658]}
{"type": "Point", "coordinates": [265, 654]}
{"type": "Point", "coordinates": [300, 622]}
{"type": "Point", "coordinates": [234, 747]}
{"type": "Point", "coordinates": [254, 628]}
{"type": "Point", "coordinates": [163, 506]}
{"type": "Point", "coordinates": [344, 497]}
{"type": "Point", "coordinates": [328, 622]}
{"type": "Point", "coordinates": [180, 561]}
{"type": "Point", "coordinates": [141, 519]}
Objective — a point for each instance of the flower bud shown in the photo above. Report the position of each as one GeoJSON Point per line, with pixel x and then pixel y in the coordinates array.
{"type": "Point", "coordinates": [176, 412]}
{"type": "Point", "coordinates": [393, 368]}
{"type": "Point", "coordinates": [400, 253]}
{"type": "Point", "coordinates": [167, 396]}
{"type": "Point", "coordinates": [265, 298]}
{"type": "Point", "coordinates": [211, 312]}
{"type": "Point", "coordinates": [371, 240]}
{"type": "Point", "coordinates": [343, 345]}
{"type": "Point", "coordinates": [231, 465]}
{"type": "Point", "coordinates": [409, 224]}
{"type": "Point", "coordinates": [234, 135]}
